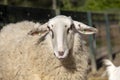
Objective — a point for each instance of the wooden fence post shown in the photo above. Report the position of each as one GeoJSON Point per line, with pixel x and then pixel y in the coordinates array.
{"type": "Point", "coordinates": [5, 2]}
{"type": "Point", "coordinates": [55, 7]}
{"type": "Point", "coordinates": [109, 46]}
{"type": "Point", "coordinates": [92, 48]}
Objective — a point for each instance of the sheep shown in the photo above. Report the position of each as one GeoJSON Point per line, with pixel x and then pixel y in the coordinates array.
{"type": "Point", "coordinates": [52, 51]}
{"type": "Point", "coordinates": [111, 70]}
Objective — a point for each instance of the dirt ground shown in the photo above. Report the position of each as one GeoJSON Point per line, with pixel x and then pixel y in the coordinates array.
{"type": "Point", "coordinates": [98, 74]}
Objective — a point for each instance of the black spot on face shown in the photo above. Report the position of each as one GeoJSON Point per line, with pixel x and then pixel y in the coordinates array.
{"type": "Point", "coordinates": [70, 28]}
{"type": "Point", "coordinates": [79, 25]}
{"type": "Point", "coordinates": [51, 31]}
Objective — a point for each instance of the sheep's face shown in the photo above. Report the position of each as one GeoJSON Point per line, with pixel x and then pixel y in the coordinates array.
{"type": "Point", "coordinates": [61, 30]}
{"type": "Point", "coordinates": [62, 34]}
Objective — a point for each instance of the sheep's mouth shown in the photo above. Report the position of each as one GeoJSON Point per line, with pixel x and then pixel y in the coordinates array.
{"type": "Point", "coordinates": [61, 58]}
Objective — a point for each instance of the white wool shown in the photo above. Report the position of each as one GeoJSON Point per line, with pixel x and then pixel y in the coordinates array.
{"type": "Point", "coordinates": [112, 71]}
{"type": "Point", "coordinates": [22, 59]}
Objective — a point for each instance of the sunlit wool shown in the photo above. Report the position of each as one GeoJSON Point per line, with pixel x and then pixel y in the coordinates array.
{"type": "Point", "coordinates": [23, 57]}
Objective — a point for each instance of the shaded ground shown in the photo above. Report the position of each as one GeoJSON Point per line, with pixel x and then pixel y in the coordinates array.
{"type": "Point", "coordinates": [98, 74]}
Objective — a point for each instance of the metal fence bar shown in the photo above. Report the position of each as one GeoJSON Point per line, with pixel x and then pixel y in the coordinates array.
{"type": "Point", "coordinates": [108, 36]}
{"type": "Point", "coordinates": [92, 48]}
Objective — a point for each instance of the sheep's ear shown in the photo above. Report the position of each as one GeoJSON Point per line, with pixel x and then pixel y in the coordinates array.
{"type": "Point", "coordinates": [83, 28]}
{"type": "Point", "coordinates": [38, 29]}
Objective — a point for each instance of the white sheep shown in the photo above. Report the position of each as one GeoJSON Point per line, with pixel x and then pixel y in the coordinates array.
{"type": "Point", "coordinates": [112, 71]}
{"type": "Point", "coordinates": [55, 54]}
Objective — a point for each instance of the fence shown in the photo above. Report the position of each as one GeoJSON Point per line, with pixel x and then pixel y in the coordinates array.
{"type": "Point", "coordinates": [103, 44]}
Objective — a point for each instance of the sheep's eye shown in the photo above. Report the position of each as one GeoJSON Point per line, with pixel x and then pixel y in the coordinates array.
{"type": "Point", "coordinates": [52, 25]}
{"type": "Point", "coordinates": [71, 27]}
{"type": "Point", "coordinates": [65, 25]}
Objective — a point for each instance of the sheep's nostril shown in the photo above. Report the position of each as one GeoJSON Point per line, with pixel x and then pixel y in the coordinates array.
{"type": "Point", "coordinates": [61, 53]}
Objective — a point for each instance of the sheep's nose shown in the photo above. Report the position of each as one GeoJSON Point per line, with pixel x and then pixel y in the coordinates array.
{"type": "Point", "coordinates": [61, 53]}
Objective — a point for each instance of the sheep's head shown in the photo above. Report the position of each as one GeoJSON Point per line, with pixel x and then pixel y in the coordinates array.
{"type": "Point", "coordinates": [107, 63]}
{"type": "Point", "coordinates": [62, 30]}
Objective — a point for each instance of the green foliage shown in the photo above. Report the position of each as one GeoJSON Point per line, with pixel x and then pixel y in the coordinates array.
{"type": "Point", "coordinates": [92, 5]}
{"type": "Point", "coordinates": [67, 4]}
{"type": "Point", "coordinates": [76, 5]}
{"type": "Point", "coordinates": [102, 5]}
{"type": "Point", "coordinates": [73, 4]}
